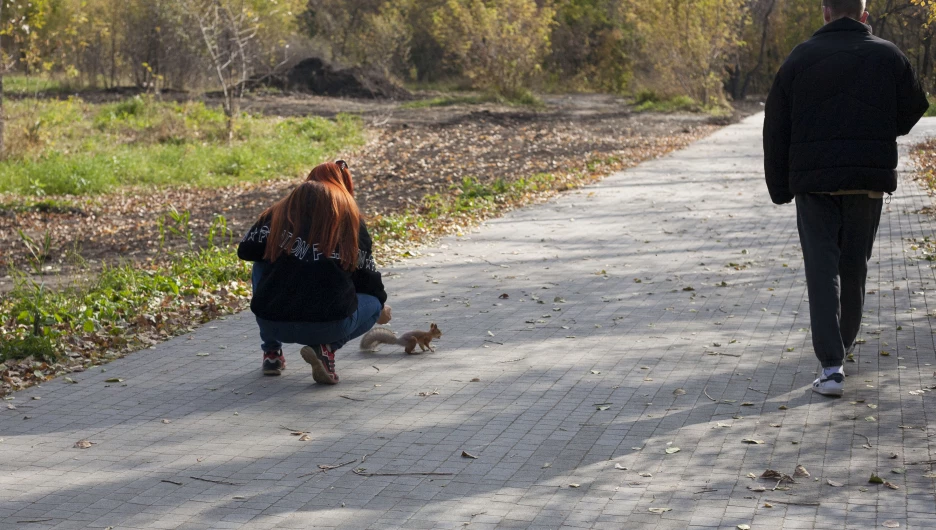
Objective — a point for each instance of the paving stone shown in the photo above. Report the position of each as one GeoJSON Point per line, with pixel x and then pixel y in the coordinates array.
{"type": "Point", "coordinates": [672, 292]}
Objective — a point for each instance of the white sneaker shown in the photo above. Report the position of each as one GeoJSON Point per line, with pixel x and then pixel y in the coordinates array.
{"type": "Point", "coordinates": [830, 385]}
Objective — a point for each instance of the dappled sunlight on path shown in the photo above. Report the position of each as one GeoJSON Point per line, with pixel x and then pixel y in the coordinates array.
{"type": "Point", "coordinates": [664, 308]}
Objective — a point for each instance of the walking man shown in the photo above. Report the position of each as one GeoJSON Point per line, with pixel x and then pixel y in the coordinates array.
{"type": "Point", "coordinates": [833, 116]}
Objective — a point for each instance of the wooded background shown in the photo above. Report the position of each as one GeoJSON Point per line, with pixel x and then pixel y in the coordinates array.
{"type": "Point", "coordinates": [709, 50]}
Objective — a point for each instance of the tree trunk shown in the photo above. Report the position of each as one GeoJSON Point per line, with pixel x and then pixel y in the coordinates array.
{"type": "Point", "coordinates": [231, 108]}
{"type": "Point", "coordinates": [2, 121]}
{"type": "Point", "coordinates": [2, 116]}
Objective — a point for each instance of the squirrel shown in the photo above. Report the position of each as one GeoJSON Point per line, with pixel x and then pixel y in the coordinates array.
{"type": "Point", "coordinates": [408, 340]}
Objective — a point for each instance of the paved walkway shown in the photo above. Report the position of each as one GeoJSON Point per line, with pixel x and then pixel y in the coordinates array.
{"type": "Point", "coordinates": [663, 309]}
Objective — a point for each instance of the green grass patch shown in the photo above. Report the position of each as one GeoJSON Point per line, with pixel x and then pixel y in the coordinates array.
{"type": "Point", "coordinates": [125, 307]}
{"type": "Point", "coordinates": [449, 101]}
{"type": "Point", "coordinates": [522, 99]}
{"type": "Point", "coordinates": [23, 85]}
{"type": "Point", "coordinates": [649, 101]}
{"type": "Point", "coordinates": [76, 148]}
{"type": "Point", "coordinates": [931, 111]}
{"type": "Point", "coordinates": [47, 205]}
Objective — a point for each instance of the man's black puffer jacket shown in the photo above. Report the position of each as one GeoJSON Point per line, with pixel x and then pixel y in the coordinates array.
{"type": "Point", "coordinates": [834, 113]}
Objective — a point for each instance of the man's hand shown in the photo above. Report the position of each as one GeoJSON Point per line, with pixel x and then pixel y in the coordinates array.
{"type": "Point", "coordinates": [385, 315]}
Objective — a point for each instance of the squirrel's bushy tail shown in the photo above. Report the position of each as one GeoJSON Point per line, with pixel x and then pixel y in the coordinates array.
{"type": "Point", "coordinates": [377, 336]}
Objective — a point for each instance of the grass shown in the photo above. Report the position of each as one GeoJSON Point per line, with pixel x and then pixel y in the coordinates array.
{"type": "Point", "coordinates": [649, 101]}
{"type": "Point", "coordinates": [523, 99]}
{"type": "Point", "coordinates": [931, 111]}
{"type": "Point", "coordinates": [71, 147]}
{"type": "Point", "coordinates": [124, 307]}
{"type": "Point", "coordinates": [448, 101]}
{"type": "Point", "coordinates": [22, 85]}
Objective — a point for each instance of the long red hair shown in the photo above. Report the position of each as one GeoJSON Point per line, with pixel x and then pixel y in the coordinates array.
{"type": "Point", "coordinates": [327, 211]}
{"type": "Point", "coordinates": [334, 173]}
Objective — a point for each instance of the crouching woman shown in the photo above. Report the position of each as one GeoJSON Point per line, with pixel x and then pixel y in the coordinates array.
{"type": "Point", "coordinates": [316, 283]}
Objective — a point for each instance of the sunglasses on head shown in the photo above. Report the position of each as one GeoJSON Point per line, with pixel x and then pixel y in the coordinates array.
{"type": "Point", "coordinates": [341, 164]}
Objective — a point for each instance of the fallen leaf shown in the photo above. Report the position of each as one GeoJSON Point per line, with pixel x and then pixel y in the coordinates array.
{"type": "Point", "coordinates": [645, 475]}
{"type": "Point", "coordinates": [782, 407]}
{"type": "Point", "coordinates": [112, 380]}
{"type": "Point", "coordinates": [768, 505]}
{"type": "Point", "coordinates": [891, 524]}
{"type": "Point", "coordinates": [870, 418]}
{"type": "Point", "coordinates": [757, 488]}
{"type": "Point", "coordinates": [475, 379]}
{"type": "Point", "coordinates": [546, 465]}
{"type": "Point", "coordinates": [800, 471]}
{"type": "Point", "coordinates": [776, 425]}
{"type": "Point", "coordinates": [744, 527]}
{"type": "Point", "coordinates": [619, 466]}
{"type": "Point", "coordinates": [747, 404]}
{"type": "Point", "coordinates": [504, 296]}
{"type": "Point", "coordinates": [69, 380]}
{"type": "Point", "coordinates": [167, 421]}
{"type": "Point", "coordinates": [466, 454]}
{"type": "Point", "coordinates": [660, 511]}
{"type": "Point", "coordinates": [899, 470]}
{"type": "Point", "coordinates": [595, 372]}
{"type": "Point", "coordinates": [750, 441]}
{"type": "Point", "coordinates": [776, 475]}
{"type": "Point", "coordinates": [720, 424]}
{"type": "Point", "coordinates": [574, 485]}
{"type": "Point", "coordinates": [671, 450]}
{"type": "Point", "coordinates": [891, 485]}
{"type": "Point", "coordinates": [751, 475]}
{"type": "Point", "coordinates": [679, 392]}
{"type": "Point", "coordinates": [875, 479]}
{"type": "Point", "coordinates": [305, 438]}
{"type": "Point", "coordinates": [83, 444]}
{"type": "Point", "coordinates": [893, 456]}
{"type": "Point", "coordinates": [834, 484]}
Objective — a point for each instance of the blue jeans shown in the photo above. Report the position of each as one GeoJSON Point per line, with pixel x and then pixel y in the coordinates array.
{"type": "Point", "coordinates": [336, 333]}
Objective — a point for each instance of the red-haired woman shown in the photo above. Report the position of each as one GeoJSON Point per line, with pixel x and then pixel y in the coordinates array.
{"type": "Point", "coordinates": [315, 280]}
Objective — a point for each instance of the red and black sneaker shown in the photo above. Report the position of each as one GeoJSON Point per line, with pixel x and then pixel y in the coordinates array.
{"type": "Point", "coordinates": [273, 362]}
{"type": "Point", "coordinates": [322, 359]}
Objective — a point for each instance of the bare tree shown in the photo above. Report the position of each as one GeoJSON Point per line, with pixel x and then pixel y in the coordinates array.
{"type": "Point", "coordinates": [3, 69]}
{"type": "Point", "coordinates": [228, 29]}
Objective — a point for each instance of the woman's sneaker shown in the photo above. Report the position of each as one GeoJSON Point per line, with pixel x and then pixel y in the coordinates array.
{"type": "Point", "coordinates": [830, 385]}
{"type": "Point", "coordinates": [322, 360]}
{"type": "Point", "coordinates": [273, 362]}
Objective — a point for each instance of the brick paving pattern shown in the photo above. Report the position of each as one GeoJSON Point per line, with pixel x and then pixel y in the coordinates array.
{"type": "Point", "coordinates": [664, 308]}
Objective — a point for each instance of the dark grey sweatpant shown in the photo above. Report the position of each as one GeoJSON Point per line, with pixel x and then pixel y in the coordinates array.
{"type": "Point", "coordinates": [837, 234]}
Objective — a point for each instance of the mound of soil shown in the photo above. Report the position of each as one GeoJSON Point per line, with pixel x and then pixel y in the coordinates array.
{"type": "Point", "coordinates": [315, 76]}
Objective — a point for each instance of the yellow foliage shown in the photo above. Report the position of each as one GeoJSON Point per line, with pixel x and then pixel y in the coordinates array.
{"type": "Point", "coordinates": [499, 45]}
{"type": "Point", "coordinates": [687, 44]}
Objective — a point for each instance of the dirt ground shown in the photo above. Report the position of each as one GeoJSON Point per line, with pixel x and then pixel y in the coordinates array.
{"type": "Point", "coordinates": [409, 153]}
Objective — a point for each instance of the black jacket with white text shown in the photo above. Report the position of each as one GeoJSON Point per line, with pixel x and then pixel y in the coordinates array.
{"type": "Point", "coordinates": [304, 285]}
